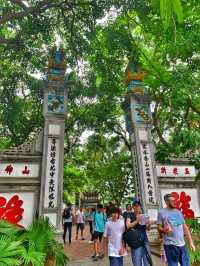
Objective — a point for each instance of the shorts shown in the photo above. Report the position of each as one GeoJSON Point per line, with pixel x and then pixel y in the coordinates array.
{"type": "Point", "coordinates": [80, 225]}
{"type": "Point", "coordinates": [97, 235]}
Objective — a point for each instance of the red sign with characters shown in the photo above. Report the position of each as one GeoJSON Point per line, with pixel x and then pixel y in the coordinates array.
{"type": "Point", "coordinates": [183, 204]}
{"type": "Point", "coordinates": [176, 170]}
{"type": "Point", "coordinates": [9, 169]}
{"type": "Point", "coordinates": [11, 210]}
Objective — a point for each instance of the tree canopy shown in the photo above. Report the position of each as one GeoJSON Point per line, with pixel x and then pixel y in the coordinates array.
{"type": "Point", "coordinates": [99, 37]}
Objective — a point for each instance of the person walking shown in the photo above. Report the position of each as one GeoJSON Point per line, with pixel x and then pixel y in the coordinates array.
{"type": "Point", "coordinates": [108, 208]}
{"type": "Point", "coordinates": [89, 219]}
{"type": "Point", "coordinates": [99, 220]}
{"type": "Point", "coordinates": [127, 211]}
{"type": "Point", "coordinates": [141, 255]}
{"type": "Point", "coordinates": [67, 217]}
{"type": "Point", "coordinates": [171, 225]}
{"type": "Point", "coordinates": [113, 234]}
{"type": "Point", "coordinates": [80, 223]}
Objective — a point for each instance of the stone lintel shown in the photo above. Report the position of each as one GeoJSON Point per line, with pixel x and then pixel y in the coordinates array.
{"type": "Point", "coordinates": [20, 157]}
{"type": "Point", "coordinates": [178, 182]}
{"type": "Point", "coordinates": [21, 183]}
{"type": "Point", "coordinates": [16, 188]}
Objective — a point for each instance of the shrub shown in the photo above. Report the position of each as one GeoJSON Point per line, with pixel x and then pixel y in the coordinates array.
{"type": "Point", "coordinates": [31, 247]}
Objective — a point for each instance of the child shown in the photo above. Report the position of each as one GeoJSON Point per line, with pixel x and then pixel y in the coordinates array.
{"type": "Point", "coordinates": [114, 230]}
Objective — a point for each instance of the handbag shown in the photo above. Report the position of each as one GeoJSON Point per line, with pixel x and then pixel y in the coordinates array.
{"type": "Point", "coordinates": [133, 237]}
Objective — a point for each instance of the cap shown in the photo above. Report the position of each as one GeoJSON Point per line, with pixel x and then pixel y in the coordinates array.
{"type": "Point", "coordinates": [136, 202]}
{"type": "Point", "coordinates": [167, 196]}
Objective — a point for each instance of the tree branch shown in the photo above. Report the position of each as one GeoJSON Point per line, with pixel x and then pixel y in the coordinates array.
{"type": "Point", "coordinates": [123, 136]}
{"type": "Point", "coordinates": [156, 126]}
{"type": "Point", "coordinates": [19, 3]}
{"type": "Point", "coordinates": [40, 7]}
{"type": "Point", "coordinates": [12, 42]}
{"type": "Point", "coordinates": [194, 109]}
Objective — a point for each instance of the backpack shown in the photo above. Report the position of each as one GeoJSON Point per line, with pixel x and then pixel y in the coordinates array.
{"type": "Point", "coordinates": [67, 213]}
{"type": "Point", "coordinates": [133, 238]}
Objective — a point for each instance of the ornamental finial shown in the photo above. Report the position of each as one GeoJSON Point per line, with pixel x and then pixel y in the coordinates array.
{"type": "Point", "coordinates": [134, 72]}
{"type": "Point", "coordinates": [57, 63]}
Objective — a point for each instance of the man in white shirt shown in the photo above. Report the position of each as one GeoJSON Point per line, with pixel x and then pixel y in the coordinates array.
{"type": "Point", "coordinates": [114, 230]}
{"type": "Point", "coordinates": [80, 223]}
{"type": "Point", "coordinates": [67, 222]}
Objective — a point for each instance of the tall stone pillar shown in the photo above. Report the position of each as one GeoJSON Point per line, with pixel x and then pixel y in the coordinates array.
{"type": "Point", "coordinates": [139, 124]}
{"type": "Point", "coordinates": [54, 110]}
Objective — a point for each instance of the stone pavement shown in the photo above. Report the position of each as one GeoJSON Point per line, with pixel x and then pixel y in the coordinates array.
{"type": "Point", "coordinates": [105, 262]}
{"type": "Point", "coordinates": [80, 251]}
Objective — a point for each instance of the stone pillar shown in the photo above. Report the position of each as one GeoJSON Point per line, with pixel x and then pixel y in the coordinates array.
{"type": "Point", "coordinates": [54, 110]}
{"type": "Point", "coordinates": [139, 124]}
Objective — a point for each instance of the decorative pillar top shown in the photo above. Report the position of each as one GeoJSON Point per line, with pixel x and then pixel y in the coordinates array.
{"type": "Point", "coordinates": [134, 80]}
{"type": "Point", "coordinates": [57, 64]}
{"type": "Point", "coordinates": [55, 94]}
{"type": "Point", "coordinates": [134, 72]}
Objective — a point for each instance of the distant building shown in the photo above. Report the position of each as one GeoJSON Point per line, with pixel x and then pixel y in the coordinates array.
{"type": "Point", "coordinates": [89, 199]}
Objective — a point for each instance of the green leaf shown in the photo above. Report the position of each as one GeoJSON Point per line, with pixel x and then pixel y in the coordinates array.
{"type": "Point", "coordinates": [10, 251]}
{"type": "Point", "coordinates": [177, 8]}
{"type": "Point", "coordinates": [166, 12]}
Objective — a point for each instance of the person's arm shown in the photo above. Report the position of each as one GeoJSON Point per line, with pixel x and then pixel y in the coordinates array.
{"type": "Point", "coordinates": [148, 226]}
{"type": "Point", "coordinates": [160, 226]}
{"type": "Point", "coordinates": [122, 249]}
{"type": "Point", "coordinates": [62, 219]}
{"type": "Point", "coordinates": [73, 217]}
{"type": "Point", "coordinates": [130, 224]}
{"type": "Point", "coordinates": [105, 238]}
{"type": "Point", "coordinates": [189, 237]}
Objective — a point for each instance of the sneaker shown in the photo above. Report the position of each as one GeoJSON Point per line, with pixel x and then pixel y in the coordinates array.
{"type": "Point", "coordinates": [95, 258]}
{"type": "Point", "coordinates": [90, 242]}
{"type": "Point", "coordinates": [101, 256]}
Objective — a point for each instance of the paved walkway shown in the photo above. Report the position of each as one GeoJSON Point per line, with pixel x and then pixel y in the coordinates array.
{"type": "Point", "coordinates": [80, 251]}
{"type": "Point", "coordinates": [105, 262]}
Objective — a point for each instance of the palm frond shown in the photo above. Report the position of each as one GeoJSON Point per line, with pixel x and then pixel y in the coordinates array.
{"type": "Point", "coordinates": [40, 235]}
{"type": "Point", "coordinates": [32, 257]}
{"type": "Point", "coordinates": [10, 251]}
{"type": "Point", "coordinates": [178, 10]}
{"type": "Point", "coordinates": [8, 229]}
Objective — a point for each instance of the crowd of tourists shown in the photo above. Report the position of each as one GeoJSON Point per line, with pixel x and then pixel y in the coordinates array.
{"type": "Point", "coordinates": [119, 231]}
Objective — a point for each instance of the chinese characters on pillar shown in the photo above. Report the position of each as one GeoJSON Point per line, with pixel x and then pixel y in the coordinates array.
{"type": "Point", "coordinates": [148, 174]}
{"type": "Point", "coordinates": [11, 210]}
{"type": "Point", "coordinates": [52, 173]}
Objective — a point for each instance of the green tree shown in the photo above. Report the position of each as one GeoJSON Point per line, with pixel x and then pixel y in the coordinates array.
{"type": "Point", "coordinates": [163, 35]}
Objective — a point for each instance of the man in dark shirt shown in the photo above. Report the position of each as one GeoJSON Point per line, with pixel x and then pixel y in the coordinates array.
{"type": "Point", "coordinates": [141, 255]}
